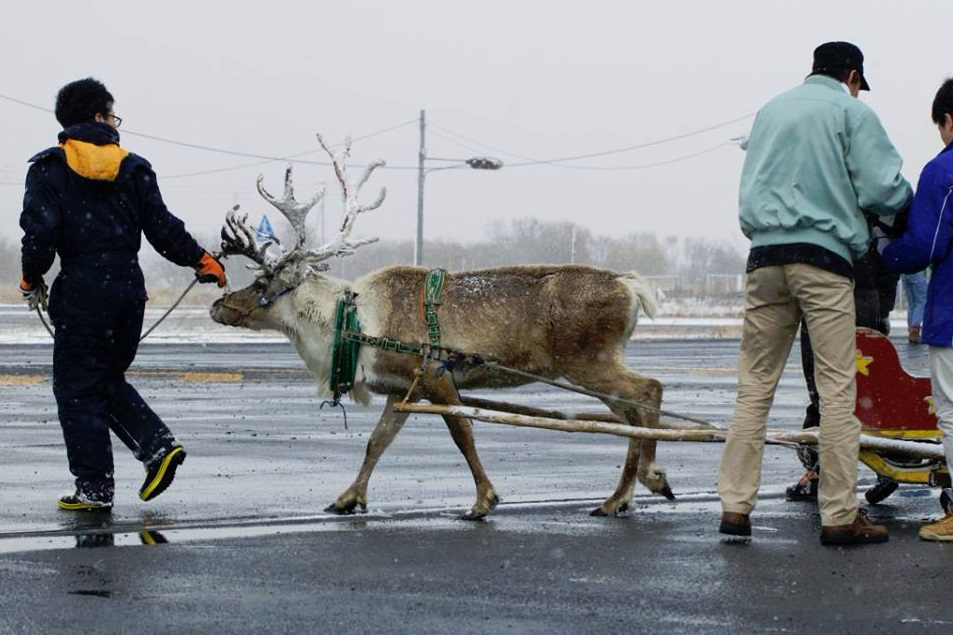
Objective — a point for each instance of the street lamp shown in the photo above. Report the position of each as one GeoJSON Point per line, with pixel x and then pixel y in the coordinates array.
{"type": "Point", "coordinates": [476, 163]}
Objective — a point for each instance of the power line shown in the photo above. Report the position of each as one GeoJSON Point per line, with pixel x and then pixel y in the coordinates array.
{"type": "Point", "coordinates": [265, 158]}
{"type": "Point", "coordinates": [286, 158]}
{"type": "Point", "coordinates": [466, 146]}
{"type": "Point", "coordinates": [533, 161]}
{"type": "Point", "coordinates": [295, 158]}
{"type": "Point", "coordinates": [643, 166]}
{"type": "Point", "coordinates": [591, 168]}
{"type": "Point", "coordinates": [25, 103]}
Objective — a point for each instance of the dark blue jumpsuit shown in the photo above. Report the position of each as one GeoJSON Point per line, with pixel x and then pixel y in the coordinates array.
{"type": "Point", "coordinates": [94, 217]}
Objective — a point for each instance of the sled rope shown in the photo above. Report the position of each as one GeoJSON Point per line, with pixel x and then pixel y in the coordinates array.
{"type": "Point", "coordinates": [452, 357]}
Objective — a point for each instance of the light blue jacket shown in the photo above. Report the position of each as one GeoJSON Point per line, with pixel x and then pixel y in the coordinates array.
{"type": "Point", "coordinates": [816, 158]}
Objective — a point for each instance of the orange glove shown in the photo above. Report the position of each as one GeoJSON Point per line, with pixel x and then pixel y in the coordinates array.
{"type": "Point", "coordinates": [209, 269]}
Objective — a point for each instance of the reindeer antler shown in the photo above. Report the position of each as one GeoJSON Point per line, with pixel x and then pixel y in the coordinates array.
{"type": "Point", "coordinates": [294, 211]}
{"type": "Point", "coordinates": [340, 245]}
{"type": "Point", "coordinates": [238, 237]}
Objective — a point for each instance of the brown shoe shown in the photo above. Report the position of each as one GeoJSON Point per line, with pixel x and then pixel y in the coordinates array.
{"type": "Point", "coordinates": [735, 524]}
{"type": "Point", "coordinates": [913, 335]}
{"type": "Point", "coordinates": [859, 532]}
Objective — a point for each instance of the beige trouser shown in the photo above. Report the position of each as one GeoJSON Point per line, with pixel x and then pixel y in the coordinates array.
{"type": "Point", "coordinates": [775, 299]}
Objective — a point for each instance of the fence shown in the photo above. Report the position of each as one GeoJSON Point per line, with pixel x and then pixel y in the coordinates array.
{"type": "Point", "coordinates": [723, 286]}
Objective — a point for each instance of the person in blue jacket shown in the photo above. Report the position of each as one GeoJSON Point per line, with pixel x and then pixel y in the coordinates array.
{"type": "Point", "coordinates": [927, 243]}
{"type": "Point", "coordinates": [89, 201]}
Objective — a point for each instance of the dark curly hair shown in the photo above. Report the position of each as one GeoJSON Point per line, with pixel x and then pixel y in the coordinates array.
{"type": "Point", "coordinates": [81, 101]}
{"type": "Point", "coordinates": [943, 102]}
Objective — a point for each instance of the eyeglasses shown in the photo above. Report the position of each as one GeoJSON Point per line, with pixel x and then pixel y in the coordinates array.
{"type": "Point", "coordinates": [117, 121]}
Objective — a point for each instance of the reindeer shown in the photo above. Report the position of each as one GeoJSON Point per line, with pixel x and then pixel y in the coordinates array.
{"type": "Point", "coordinates": [552, 321]}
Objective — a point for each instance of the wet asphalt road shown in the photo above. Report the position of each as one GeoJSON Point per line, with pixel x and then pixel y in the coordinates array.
{"type": "Point", "coordinates": [240, 542]}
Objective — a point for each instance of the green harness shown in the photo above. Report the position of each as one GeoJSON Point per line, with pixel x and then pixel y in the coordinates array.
{"type": "Point", "coordinates": [344, 353]}
{"type": "Point", "coordinates": [433, 287]}
{"type": "Point", "coordinates": [348, 337]}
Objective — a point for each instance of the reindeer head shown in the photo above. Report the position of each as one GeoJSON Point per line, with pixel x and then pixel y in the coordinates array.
{"type": "Point", "coordinates": [280, 271]}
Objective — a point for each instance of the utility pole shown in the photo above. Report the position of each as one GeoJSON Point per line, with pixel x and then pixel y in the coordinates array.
{"type": "Point", "coordinates": [421, 157]}
{"type": "Point", "coordinates": [572, 249]}
{"type": "Point", "coordinates": [475, 163]}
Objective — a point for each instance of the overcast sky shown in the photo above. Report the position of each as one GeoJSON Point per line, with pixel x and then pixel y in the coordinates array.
{"type": "Point", "coordinates": [537, 79]}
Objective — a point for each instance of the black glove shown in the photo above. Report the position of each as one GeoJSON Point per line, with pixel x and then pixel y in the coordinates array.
{"type": "Point", "coordinates": [896, 228]}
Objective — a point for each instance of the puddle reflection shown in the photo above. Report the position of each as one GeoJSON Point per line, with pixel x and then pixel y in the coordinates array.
{"type": "Point", "coordinates": [97, 529]}
{"type": "Point", "coordinates": [152, 538]}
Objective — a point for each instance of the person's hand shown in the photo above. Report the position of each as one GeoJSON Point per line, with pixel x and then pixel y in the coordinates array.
{"type": "Point", "coordinates": [209, 269]}
{"type": "Point", "coordinates": [34, 294]}
{"type": "Point", "coordinates": [882, 239]}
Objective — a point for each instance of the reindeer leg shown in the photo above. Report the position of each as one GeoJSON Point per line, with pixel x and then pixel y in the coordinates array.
{"type": "Point", "coordinates": [387, 428]}
{"type": "Point", "coordinates": [444, 391]}
{"type": "Point", "coordinates": [640, 459]}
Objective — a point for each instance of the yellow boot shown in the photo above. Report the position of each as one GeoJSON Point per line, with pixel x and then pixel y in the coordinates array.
{"type": "Point", "coordinates": [940, 530]}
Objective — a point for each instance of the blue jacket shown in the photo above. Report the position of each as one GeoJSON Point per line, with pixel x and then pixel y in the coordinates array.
{"type": "Point", "coordinates": [90, 200]}
{"type": "Point", "coordinates": [927, 243]}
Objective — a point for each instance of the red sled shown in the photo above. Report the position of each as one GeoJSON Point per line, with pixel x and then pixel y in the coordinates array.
{"type": "Point", "coordinates": [893, 404]}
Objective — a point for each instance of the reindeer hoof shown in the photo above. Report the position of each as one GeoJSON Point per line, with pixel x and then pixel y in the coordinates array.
{"type": "Point", "coordinates": [473, 516]}
{"type": "Point", "coordinates": [667, 492]}
{"type": "Point", "coordinates": [341, 511]}
{"type": "Point", "coordinates": [598, 512]}
{"type": "Point", "coordinates": [346, 509]}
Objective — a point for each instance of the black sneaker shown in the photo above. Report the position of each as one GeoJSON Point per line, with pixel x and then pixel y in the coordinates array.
{"type": "Point", "coordinates": [804, 490]}
{"type": "Point", "coordinates": [79, 502]}
{"type": "Point", "coordinates": [160, 472]}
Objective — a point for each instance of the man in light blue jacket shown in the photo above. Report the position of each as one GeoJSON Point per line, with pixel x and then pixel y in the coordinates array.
{"type": "Point", "coordinates": [817, 159]}
{"type": "Point", "coordinates": [928, 242]}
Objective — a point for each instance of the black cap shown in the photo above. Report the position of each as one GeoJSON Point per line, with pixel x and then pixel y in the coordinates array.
{"type": "Point", "coordinates": [838, 56]}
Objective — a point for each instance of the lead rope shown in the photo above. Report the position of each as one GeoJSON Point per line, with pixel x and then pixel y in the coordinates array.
{"type": "Point", "coordinates": [43, 319]}
{"type": "Point", "coordinates": [171, 308]}
{"type": "Point", "coordinates": [151, 328]}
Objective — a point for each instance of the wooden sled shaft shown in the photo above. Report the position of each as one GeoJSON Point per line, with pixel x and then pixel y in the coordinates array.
{"type": "Point", "coordinates": [778, 437]}
{"type": "Point", "coordinates": [606, 417]}
{"type": "Point", "coordinates": [564, 425]}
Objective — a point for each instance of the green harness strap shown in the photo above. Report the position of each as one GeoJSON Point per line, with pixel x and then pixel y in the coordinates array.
{"type": "Point", "coordinates": [433, 287]}
{"type": "Point", "coordinates": [345, 350]}
{"type": "Point", "coordinates": [348, 337]}
{"type": "Point", "coordinates": [383, 343]}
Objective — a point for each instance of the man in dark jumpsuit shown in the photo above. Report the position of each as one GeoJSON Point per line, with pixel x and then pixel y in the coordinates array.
{"type": "Point", "coordinates": [90, 201]}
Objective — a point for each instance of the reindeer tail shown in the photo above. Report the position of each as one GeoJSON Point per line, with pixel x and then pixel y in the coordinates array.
{"type": "Point", "coordinates": [643, 295]}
